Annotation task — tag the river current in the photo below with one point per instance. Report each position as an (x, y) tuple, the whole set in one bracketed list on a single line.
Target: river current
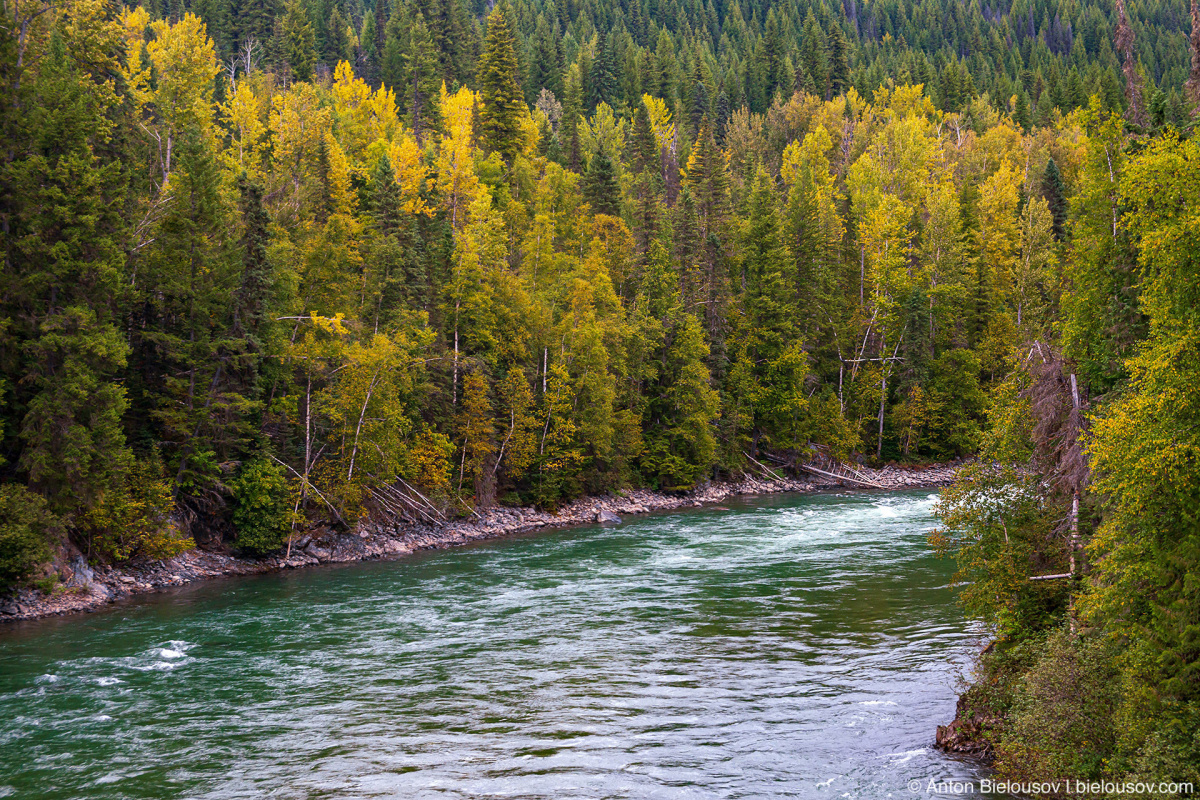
[(797, 646)]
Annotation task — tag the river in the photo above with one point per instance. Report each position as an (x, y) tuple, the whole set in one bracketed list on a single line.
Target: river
[(794, 646)]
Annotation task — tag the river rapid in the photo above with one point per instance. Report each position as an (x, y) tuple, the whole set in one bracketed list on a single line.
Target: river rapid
[(793, 646)]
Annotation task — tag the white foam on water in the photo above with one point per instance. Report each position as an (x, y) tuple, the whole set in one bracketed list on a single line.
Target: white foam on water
[(878, 703), (46, 679), (906, 756), (103, 718), (108, 681), (166, 656)]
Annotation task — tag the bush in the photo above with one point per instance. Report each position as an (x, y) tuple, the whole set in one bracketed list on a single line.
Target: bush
[(133, 518), (261, 511), (1062, 724), (26, 528)]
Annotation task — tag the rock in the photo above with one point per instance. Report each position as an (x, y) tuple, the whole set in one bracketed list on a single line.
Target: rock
[(606, 517), (81, 574), (127, 580)]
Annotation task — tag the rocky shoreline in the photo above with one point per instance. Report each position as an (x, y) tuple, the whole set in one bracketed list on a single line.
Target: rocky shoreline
[(88, 588)]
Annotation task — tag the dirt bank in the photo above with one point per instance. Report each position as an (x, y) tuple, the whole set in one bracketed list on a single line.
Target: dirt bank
[(87, 588)]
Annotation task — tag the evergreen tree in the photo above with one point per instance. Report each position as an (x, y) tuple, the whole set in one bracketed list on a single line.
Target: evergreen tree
[(337, 40), (502, 101), (1055, 193), (420, 81), (813, 59), (300, 49), (64, 264), (839, 64), (600, 185), (256, 22), (602, 78)]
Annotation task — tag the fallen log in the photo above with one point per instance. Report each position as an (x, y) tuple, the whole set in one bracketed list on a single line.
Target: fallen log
[(859, 481)]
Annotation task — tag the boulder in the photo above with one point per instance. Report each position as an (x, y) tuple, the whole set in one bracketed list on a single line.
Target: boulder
[(606, 517)]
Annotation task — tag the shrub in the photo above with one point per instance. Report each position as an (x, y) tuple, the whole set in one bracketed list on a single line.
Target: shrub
[(260, 506), (133, 518), (26, 528), (1062, 724)]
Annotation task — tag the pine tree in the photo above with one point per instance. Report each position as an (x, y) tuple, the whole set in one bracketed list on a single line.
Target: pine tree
[(645, 163), (699, 98), (216, 16), (256, 22), (602, 76), (813, 58), (502, 100), (337, 39), (64, 264)]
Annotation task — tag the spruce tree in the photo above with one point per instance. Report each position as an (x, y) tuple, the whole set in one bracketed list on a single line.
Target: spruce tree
[(64, 265), (1056, 196), (600, 187), (421, 81), (300, 50), (337, 41), (602, 77), (256, 22), (502, 100), (839, 63), (813, 59)]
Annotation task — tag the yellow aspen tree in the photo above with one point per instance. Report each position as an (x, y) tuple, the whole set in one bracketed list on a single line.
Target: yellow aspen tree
[(184, 65), (457, 181)]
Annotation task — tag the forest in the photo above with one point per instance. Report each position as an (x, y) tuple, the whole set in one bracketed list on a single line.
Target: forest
[(269, 266)]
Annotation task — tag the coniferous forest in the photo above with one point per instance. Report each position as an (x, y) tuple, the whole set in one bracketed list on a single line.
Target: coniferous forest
[(269, 265)]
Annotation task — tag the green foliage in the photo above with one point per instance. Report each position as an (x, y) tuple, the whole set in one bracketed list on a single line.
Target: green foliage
[(1063, 721), (262, 511), (502, 102), (26, 530), (300, 50), (133, 518)]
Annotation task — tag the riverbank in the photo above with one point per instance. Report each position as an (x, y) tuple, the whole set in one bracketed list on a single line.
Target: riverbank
[(86, 588)]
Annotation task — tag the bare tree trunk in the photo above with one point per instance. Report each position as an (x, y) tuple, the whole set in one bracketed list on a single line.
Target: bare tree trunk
[(1074, 517), (454, 388), (358, 428), (882, 401)]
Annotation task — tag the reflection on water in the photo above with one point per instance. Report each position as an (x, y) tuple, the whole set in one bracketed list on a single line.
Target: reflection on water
[(791, 647)]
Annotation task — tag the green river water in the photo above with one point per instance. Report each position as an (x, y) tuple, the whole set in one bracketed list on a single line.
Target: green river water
[(797, 646)]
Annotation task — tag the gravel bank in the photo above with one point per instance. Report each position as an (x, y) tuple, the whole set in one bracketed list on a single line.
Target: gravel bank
[(88, 588)]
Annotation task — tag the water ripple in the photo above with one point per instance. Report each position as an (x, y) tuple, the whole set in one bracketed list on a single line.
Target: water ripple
[(791, 647)]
